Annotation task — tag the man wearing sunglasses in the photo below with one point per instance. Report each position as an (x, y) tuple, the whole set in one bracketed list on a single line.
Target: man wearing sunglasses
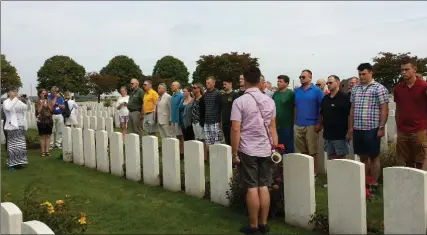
[(308, 98)]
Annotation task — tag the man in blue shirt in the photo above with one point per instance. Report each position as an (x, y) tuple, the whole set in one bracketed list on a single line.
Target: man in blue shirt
[(177, 97), (58, 119), (308, 98)]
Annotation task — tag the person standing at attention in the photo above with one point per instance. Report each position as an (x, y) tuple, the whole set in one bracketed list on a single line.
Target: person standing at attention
[(307, 112), (186, 114), (198, 118), (411, 117), (212, 128), (353, 81), (135, 107), (253, 137), (241, 88), (321, 83), (226, 102), (334, 112), (368, 117), (163, 112), (123, 109), (284, 99), (177, 98), (150, 100), (58, 119)]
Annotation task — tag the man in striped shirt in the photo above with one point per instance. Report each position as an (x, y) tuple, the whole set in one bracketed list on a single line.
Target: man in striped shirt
[(368, 117), (212, 126)]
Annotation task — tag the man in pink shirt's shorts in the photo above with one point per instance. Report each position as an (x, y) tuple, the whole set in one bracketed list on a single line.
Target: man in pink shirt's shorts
[(253, 136)]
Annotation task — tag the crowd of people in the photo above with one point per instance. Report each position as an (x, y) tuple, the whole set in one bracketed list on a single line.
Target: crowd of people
[(255, 121)]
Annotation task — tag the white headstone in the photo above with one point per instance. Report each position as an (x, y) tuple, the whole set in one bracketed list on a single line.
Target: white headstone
[(93, 123), (150, 156), (86, 122), (80, 120), (133, 157), (35, 227), (89, 148), (298, 180), (171, 164), (322, 156), (101, 123), (78, 157), (384, 140), (346, 197), (67, 145), (102, 158), (194, 168), (117, 120), (11, 218), (220, 173), (116, 154), (2, 137), (405, 200), (109, 125)]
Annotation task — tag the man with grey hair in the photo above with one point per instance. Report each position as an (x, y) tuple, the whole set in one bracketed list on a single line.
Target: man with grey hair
[(163, 112), (135, 107), (353, 81), (58, 119), (177, 97)]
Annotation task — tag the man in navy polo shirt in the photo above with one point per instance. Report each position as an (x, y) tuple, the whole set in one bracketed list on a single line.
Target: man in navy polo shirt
[(308, 98), (58, 119)]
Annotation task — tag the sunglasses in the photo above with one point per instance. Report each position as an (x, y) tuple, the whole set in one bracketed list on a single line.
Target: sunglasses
[(318, 85), (301, 77)]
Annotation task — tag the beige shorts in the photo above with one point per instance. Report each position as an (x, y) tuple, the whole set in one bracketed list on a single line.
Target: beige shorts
[(306, 139), (199, 132), (176, 129), (164, 130)]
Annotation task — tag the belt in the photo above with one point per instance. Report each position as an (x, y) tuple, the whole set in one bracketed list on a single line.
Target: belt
[(134, 110), (148, 112)]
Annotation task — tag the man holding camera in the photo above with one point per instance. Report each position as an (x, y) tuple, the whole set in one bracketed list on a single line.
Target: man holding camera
[(58, 119), (253, 136)]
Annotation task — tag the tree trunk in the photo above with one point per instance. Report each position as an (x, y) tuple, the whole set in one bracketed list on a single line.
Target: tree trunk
[(99, 98)]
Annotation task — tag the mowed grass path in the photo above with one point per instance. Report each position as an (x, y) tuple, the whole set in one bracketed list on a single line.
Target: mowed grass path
[(116, 205)]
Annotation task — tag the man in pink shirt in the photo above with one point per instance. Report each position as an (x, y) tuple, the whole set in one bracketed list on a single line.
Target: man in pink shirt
[(253, 136)]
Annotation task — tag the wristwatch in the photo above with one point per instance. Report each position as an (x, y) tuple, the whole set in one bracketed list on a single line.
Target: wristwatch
[(381, 128), (235, 155)]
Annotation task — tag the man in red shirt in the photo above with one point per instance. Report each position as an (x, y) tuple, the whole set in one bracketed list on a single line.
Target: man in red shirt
[(411, 117)]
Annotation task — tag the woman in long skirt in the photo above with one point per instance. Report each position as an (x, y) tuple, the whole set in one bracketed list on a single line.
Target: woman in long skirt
[(15, 127)]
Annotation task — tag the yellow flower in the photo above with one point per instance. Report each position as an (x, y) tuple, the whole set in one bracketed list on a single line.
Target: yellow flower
[(49, 206), (82, 220), (59, 202)]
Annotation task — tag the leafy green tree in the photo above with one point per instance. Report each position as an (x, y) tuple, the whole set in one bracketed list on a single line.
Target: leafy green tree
[(124, 68), (100, 84), (63, 72), (223, 67), (9, 75), (386, 67), (170, 67)]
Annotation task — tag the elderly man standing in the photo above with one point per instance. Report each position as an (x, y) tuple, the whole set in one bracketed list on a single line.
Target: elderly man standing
[(58, 119), (135, 107), (321, 83), (368, 117), (177, 97), (353, 81), (163, 112), (150, 100)]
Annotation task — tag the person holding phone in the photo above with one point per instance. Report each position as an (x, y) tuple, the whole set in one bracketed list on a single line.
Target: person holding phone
[(44, 113), (122, 106)]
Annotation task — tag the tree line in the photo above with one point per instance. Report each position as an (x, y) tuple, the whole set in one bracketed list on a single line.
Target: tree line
[(64, 72)]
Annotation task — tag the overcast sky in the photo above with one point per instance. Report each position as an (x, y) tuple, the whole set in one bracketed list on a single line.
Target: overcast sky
[(326, 37)]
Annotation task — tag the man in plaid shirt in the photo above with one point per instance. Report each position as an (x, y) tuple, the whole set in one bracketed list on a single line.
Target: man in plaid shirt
[(368, 117)]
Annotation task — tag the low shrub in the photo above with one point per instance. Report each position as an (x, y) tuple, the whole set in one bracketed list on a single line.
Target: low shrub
[(63, 216)]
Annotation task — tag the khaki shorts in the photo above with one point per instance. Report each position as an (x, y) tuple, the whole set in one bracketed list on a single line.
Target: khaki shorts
[(412, 147), (165, 130), (149, 124), (306, 139)]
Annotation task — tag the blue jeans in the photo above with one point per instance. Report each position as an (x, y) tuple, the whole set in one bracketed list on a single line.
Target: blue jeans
[(286, 137)]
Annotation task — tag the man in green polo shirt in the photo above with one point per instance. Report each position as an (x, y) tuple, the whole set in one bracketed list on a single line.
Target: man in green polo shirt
[(284, 99), (136, 100)]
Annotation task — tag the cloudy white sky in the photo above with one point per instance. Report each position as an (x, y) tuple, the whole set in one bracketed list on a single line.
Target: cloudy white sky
[(326, 37)]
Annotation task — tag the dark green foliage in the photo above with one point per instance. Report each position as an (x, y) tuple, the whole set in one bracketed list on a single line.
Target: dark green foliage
[(223, 67), (9, 75), (63, 72), (124, 68), (171, 68)]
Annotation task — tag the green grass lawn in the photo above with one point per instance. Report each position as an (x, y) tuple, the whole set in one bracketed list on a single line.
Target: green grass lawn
[(116, 205)]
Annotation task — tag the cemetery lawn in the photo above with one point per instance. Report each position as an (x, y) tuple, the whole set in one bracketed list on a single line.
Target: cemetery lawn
[(116, 205)]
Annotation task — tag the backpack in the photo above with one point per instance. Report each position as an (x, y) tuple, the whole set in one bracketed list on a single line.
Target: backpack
[(66, 112)]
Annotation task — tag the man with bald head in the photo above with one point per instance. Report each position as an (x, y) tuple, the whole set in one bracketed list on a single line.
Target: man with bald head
[(321, 83), (135, 107), (177, 97)]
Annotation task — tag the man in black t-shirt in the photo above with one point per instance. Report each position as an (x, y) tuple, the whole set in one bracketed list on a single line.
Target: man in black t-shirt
[(334, 110), (226, 104)]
